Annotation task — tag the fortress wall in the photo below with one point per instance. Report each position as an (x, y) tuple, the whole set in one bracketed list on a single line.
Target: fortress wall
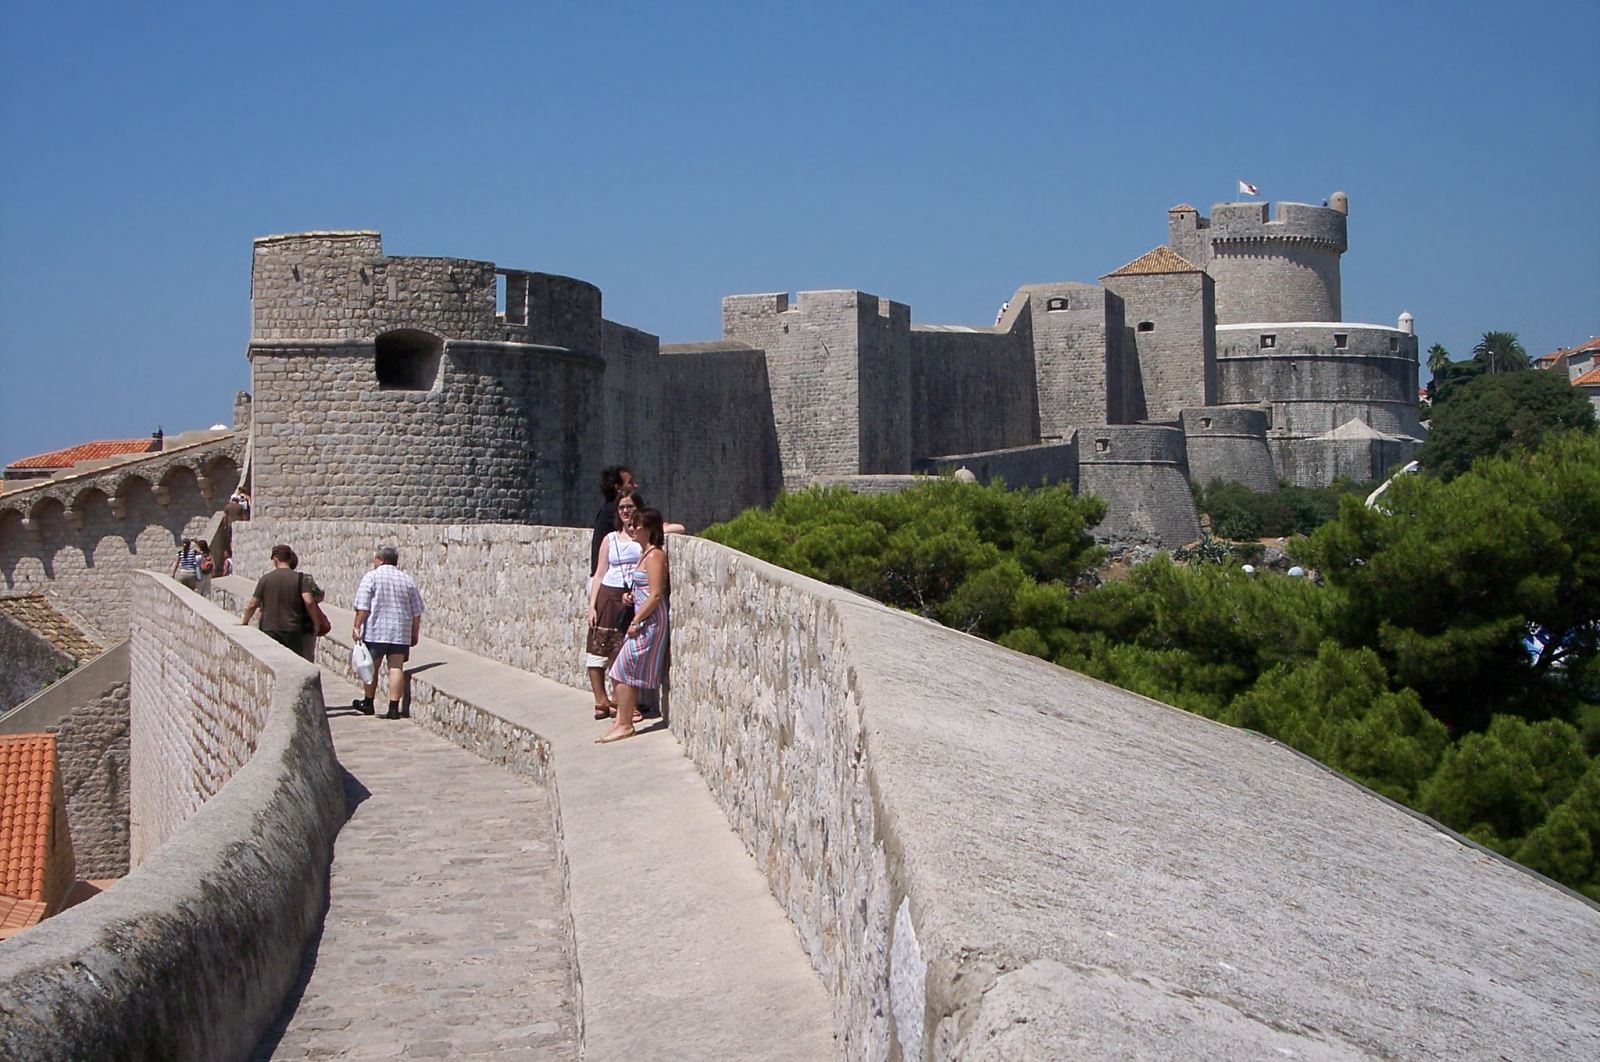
[(1163, 879), (1229, 443), (28, 663), (87, 711), (1074, 347), (1142, 474), (1273, 282), (500, 432), (813, 350), (1318, 462), (1173, 364), (632, 411), (190, 956), (339, 286), (1315, 386), (65, 538), (718, 446), (1020, 466), (884, 374), (973, 391)]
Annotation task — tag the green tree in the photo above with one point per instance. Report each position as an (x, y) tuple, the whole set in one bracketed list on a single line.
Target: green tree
[(1494, 414), (1339, 709), (1500, 785), (1438, 358), (1499, 352), (1446, 582)]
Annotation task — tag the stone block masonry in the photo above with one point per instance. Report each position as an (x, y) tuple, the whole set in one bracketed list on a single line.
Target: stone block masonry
[(190, 956)]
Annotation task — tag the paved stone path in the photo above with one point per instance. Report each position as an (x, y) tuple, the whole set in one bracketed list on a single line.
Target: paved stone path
[(444, 934)]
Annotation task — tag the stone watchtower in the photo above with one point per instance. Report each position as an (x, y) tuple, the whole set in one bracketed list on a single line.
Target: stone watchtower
[(419, 389), (1283, 268)]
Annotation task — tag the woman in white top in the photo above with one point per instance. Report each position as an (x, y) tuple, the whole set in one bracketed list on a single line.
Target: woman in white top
[(607, 598)]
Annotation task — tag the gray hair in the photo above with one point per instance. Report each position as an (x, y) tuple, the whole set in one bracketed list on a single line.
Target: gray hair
[(387, 554)]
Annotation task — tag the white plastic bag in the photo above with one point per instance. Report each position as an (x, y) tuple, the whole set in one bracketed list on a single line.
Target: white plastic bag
[(361, 661)]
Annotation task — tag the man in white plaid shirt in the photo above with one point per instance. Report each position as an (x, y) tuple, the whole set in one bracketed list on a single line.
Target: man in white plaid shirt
[(389, 619)]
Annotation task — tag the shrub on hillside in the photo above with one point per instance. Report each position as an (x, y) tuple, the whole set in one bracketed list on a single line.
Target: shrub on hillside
[(1239, 513)]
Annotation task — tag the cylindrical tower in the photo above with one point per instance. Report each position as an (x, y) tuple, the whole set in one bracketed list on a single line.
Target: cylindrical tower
[(1284, 268), (1229, 443), (1142, 472), (411, 390)]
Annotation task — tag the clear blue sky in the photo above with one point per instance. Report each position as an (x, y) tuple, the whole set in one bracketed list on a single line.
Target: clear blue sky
[(939, 154)]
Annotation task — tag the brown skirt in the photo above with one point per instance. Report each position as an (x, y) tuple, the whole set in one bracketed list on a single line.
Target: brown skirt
[(604, 638)]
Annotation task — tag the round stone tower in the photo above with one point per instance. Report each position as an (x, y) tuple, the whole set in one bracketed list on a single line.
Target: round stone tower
[(1283, 268), (419, 389)]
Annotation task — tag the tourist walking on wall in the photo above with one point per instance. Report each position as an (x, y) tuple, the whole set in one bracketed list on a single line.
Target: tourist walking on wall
[(389, 620), (643, 654), (616, 555), (290, 605), (192, 568)]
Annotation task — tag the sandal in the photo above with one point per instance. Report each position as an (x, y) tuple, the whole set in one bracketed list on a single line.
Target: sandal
[(604, 711)]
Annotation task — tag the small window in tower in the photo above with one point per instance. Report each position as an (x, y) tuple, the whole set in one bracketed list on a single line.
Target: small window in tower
[(1268, 341), (1205, 422), (1102, 446), (500, 295), (1147, 326), (407, 359), (1341, 340), (1055, 302), (1394, 344)]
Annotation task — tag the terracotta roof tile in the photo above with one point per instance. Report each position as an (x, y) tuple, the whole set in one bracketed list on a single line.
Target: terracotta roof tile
[(90, 451), (17, 914), (1161, 260), (35, 612), (29, 795), (1588, 379)]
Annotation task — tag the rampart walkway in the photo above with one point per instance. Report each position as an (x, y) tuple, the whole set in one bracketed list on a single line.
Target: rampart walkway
[(444, 932), (682, 951)]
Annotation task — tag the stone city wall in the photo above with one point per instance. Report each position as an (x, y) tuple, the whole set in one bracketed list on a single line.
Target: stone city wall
[(78, 539), (190, 956), (1021, 466), (1142, 474), (1318, 462), (1313, 383), (1169, 349), (973, 390), (336, 286), (88, 713), (718, 446), (1077, 337), (833, 732), (28, 663), (1229, 443), (499, 432)]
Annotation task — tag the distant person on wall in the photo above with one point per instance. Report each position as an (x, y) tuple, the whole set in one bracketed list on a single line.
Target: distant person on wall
[(389, 619), (186, 568), (242, 500), (640, 661), (289, 601)]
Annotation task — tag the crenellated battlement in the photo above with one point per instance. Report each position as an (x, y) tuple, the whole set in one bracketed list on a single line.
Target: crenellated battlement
[(1293, 223)]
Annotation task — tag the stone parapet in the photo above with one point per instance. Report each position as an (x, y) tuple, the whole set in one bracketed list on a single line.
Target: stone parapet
[(191, 955)]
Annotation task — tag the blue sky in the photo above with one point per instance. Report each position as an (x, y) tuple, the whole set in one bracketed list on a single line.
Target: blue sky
[(939, 154)]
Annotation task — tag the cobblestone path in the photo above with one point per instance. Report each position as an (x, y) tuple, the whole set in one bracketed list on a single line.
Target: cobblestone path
[(444, 936)]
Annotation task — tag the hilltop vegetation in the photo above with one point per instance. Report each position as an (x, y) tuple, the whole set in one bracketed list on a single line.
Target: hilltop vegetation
[(1406, 668)]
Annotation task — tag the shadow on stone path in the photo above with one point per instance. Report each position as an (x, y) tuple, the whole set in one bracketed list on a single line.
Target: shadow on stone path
[(444, 933)]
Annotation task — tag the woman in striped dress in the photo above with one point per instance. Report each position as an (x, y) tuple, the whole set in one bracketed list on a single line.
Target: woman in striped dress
[(643, 654)]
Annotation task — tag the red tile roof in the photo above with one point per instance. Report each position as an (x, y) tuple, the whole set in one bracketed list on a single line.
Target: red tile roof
[(1588, 379), (1161, 260), (90, 451), (17, 915), (35, 850), (35, 612)]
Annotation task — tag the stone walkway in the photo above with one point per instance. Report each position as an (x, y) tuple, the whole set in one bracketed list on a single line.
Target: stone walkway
[(444, 936)]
